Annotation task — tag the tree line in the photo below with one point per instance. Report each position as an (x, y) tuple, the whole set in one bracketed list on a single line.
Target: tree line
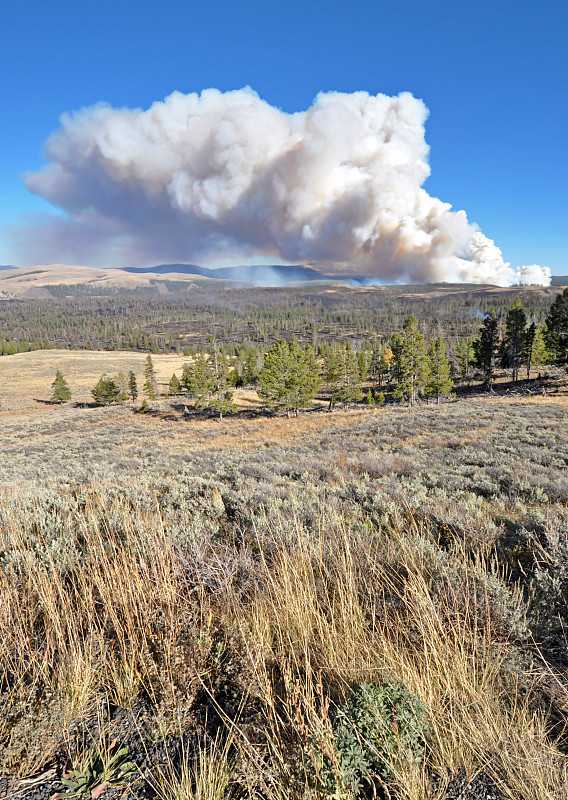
[(175, 323), (289, 374)]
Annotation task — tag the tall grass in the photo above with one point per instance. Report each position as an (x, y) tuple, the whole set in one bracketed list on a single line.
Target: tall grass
[(128, 609)]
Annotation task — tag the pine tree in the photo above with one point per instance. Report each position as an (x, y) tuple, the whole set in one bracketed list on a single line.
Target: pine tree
[(186, 377), (374, 359), (528, 347), (289, 379), (61, 391), (362, 365), (150, 384), (539, 352), (251, 368), (208, 380), (132, 386), (221, 397), (556, 330), (307, 375), (411, 365), (466, 356), (221, 401), (439, 381), (381, 363), (486, 347), (174, 386), (105, 391), (199, 379), (121, 380), (513, 346), (343, 376)]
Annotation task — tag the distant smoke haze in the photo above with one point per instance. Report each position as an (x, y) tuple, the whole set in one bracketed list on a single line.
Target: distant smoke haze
[(222, 175)]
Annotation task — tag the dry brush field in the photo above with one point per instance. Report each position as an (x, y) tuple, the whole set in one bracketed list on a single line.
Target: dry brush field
[(368, 603)]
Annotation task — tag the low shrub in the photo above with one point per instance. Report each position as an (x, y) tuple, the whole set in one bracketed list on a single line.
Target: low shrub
[(377, 726)]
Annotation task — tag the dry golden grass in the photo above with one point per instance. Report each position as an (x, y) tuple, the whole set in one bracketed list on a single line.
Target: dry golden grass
[(331, 608), (446, 653), (107, 603), (34, 281), (27, 377)]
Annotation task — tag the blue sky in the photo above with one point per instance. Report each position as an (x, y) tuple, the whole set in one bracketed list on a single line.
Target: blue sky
[(493, 75)]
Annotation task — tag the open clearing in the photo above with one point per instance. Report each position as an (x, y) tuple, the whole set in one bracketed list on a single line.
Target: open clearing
[(25, 378)]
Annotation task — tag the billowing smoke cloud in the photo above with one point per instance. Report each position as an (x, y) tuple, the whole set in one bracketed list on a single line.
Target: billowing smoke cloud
[(197, 177)]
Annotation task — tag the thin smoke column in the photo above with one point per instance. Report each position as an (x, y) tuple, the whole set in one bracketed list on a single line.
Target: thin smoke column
[(199, 177)]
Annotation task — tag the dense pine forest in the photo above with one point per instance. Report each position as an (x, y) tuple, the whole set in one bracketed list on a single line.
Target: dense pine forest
[(149, 321)]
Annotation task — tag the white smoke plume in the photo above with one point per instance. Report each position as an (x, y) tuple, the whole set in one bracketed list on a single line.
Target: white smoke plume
[(198, 177)]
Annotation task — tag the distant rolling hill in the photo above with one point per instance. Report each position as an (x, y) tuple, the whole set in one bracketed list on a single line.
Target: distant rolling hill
[(43, 281), (276, 274), (261, 275)]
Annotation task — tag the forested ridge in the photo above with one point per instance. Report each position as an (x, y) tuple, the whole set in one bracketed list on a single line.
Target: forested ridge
[(144, 321)]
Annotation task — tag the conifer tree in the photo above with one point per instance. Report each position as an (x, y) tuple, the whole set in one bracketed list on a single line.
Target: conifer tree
[(539, 352), (199, 380), (289, 379), (465, 356), (486, 347), (221, 396), (174, 386), (513, 346), (411, 364), (106, 391), (373, 361), (343, 376), (439, 381), (556, 330), (150, 384), (186, 377), (362, 365), (381, 363), (307, 375), (252, 367), (121, 380), (132, 386), (221, 401), (528, 347), (207, 379), (61, 391), (219, 364)]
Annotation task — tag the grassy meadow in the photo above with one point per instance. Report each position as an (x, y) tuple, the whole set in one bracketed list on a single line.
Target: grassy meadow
[(367, 603)]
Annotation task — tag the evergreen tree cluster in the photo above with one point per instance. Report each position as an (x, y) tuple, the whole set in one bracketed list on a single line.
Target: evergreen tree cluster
[(521, 344), (207, 379), (290, 377), (556, 330), (408, 365)]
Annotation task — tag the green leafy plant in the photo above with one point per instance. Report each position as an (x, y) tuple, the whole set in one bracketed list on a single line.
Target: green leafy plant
[(376, 727), (96, 770)]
